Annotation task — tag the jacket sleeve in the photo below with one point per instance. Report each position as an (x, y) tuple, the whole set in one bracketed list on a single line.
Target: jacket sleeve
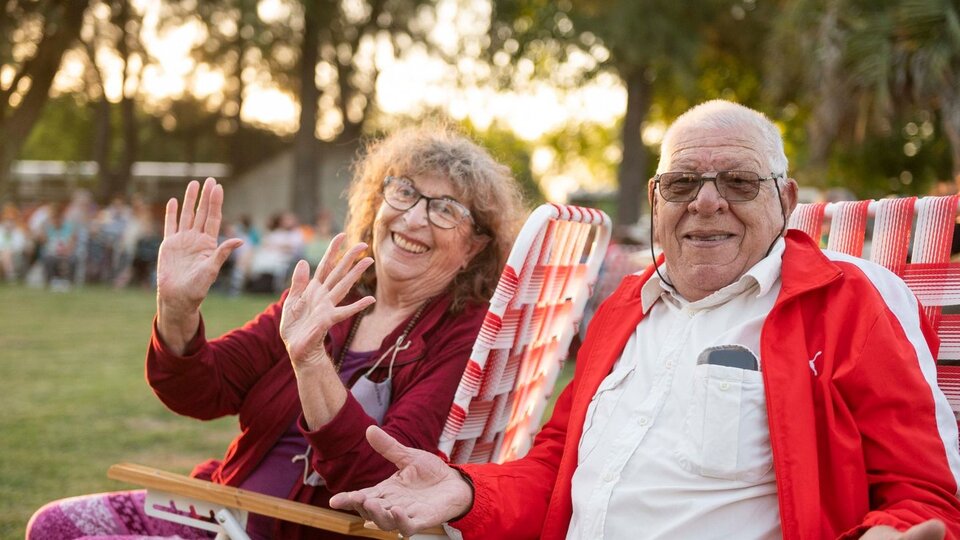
[(908, 432), (418, 410), (511, 499), (212, 378)]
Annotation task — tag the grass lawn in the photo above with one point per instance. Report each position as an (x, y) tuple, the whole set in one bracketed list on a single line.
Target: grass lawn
[(73, 399)]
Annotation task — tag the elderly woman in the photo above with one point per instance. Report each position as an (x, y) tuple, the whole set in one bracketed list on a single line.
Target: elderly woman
[(380, 334)]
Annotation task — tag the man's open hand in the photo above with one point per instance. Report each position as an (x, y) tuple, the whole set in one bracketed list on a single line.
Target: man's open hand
[(423, 493)]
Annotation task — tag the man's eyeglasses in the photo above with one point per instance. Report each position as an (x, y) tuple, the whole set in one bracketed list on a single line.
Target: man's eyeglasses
[(734, 186), (442, 212)]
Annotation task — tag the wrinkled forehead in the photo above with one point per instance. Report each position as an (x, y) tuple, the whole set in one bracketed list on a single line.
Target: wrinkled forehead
[(436, 183), (705, 150)]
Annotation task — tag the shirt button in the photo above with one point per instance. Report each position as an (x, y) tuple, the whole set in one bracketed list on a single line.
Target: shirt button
[(609, 477), (668, 364), (724, 386), (642, 420)]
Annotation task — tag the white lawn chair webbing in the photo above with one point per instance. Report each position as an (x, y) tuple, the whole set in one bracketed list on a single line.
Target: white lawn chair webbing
[(929, 273), (532, 318)]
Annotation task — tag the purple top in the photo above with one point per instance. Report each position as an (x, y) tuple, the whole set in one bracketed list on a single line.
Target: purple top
[(277, 474)]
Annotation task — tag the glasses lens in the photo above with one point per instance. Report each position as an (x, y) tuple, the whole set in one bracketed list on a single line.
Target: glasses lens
[(679, 187), (738, 185), (400, 193), (446, 214)]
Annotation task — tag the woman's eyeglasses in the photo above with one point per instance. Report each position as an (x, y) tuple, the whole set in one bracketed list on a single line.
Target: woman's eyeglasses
[(442, 212)]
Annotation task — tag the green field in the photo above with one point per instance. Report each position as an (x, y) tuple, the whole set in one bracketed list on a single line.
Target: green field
[(73, 398)]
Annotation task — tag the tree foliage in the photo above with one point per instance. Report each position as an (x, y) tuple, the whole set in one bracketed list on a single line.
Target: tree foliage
[(40, 32)]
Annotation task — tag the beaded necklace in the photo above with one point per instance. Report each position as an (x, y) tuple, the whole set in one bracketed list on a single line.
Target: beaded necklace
[(356, 325)]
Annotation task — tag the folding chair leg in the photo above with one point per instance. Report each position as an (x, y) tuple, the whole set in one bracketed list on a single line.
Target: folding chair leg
[(231, 527)]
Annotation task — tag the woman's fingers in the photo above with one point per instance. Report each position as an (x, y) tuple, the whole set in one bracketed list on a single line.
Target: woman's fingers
[(300, 279), (214, 212), (224, 250), (345, 264), (340, 288), (329, 257), (189, 201), (170, 218), (203, 206), (343, 313)]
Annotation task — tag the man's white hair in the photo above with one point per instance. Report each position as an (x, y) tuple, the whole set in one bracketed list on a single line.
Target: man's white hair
[(720, 114)]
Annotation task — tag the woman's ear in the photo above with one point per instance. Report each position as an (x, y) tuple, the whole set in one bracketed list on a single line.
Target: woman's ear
[(477, 243)]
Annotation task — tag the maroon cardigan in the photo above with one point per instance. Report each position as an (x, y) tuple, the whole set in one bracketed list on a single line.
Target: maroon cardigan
[(247, 372)]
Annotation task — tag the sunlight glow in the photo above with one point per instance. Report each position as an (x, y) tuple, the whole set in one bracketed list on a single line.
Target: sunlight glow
[(270, 107)]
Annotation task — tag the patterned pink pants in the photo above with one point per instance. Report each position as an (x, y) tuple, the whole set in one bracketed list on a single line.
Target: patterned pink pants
[(105, 516)]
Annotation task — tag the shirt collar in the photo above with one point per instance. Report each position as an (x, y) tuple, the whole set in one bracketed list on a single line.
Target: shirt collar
[(761, 276)]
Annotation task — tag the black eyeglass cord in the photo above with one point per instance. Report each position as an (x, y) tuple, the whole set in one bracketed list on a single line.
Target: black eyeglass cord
[(783, 228)]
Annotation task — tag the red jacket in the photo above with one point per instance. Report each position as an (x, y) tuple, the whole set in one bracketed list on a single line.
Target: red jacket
[(247, 372), (856, 444)]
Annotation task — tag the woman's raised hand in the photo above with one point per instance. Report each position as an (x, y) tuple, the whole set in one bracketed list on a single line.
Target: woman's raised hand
[(190, 257), (312, 305)]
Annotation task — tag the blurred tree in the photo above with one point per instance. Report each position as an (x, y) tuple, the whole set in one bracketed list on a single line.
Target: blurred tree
[(507, 148), (642, 42), (64, 114), (328, 53), (927, 33), (38, 35), (879, 64), (113, 28), (805, 65)]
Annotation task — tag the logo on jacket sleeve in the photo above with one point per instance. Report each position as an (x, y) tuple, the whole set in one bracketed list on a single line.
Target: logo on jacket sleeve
[(813, 363)]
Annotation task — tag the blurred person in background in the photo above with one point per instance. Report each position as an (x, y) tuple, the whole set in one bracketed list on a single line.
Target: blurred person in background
[(379, 335), (318, 237), (273, 260), (59, 252), (15, 244)]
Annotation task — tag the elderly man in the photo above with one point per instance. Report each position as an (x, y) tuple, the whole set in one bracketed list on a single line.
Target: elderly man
[(748, 386)]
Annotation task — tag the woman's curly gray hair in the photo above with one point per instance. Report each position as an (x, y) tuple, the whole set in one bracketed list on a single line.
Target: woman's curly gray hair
[(484, 185)]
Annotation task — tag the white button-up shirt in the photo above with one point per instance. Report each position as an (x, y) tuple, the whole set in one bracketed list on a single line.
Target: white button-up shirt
[(673, 446)]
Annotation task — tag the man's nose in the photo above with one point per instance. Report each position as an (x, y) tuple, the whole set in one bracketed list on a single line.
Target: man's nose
[(708, 200)]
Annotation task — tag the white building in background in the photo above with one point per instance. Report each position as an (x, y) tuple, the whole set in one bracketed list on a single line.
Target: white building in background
[(153, 180), (266, 189), (260, 192)]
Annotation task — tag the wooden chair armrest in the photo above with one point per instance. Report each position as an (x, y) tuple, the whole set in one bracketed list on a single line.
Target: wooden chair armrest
[(257, 503)]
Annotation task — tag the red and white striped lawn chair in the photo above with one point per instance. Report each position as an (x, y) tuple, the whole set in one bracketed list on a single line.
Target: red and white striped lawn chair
[(533, 315), (928, 271)]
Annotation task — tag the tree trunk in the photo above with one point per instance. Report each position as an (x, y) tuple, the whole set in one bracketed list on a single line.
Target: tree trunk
[(131, 146), (632, 175), (101, 146), (831, 101), (950, 121), (306, 192), (238, 151), (43, 67)]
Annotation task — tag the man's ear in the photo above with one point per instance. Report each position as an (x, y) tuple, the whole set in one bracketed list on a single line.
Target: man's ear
[(790, 194), (652, 199)]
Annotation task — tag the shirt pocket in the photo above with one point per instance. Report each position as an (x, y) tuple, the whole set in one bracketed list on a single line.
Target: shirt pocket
[(602, 406), (725, 433)]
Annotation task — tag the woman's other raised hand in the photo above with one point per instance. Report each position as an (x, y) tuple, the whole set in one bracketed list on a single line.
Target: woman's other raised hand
[(189, 260)]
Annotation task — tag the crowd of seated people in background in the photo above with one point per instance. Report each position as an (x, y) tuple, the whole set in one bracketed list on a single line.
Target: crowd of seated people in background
[(61, 245)]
